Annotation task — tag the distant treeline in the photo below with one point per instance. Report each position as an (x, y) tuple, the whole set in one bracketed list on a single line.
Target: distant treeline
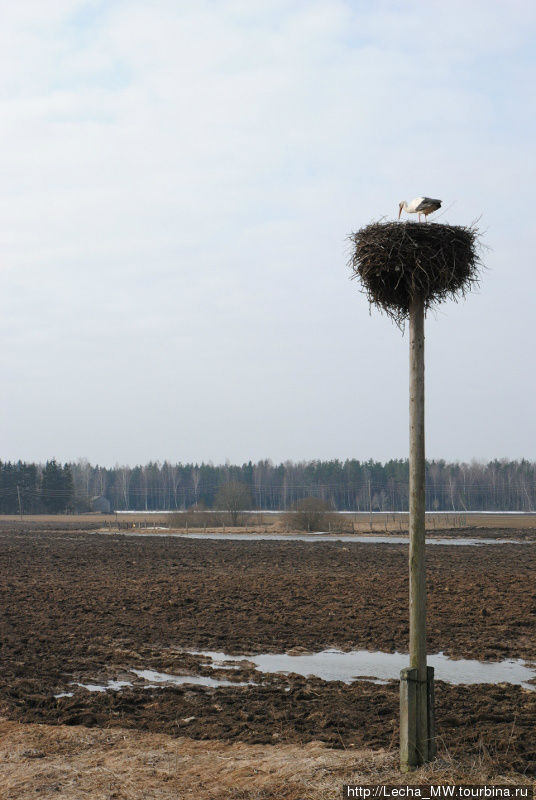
[(33, 488), (346, 485)]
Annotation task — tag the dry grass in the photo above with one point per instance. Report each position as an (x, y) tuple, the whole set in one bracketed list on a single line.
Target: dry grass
[(398, 522), (89, 518), (71, 763), (278, 523)]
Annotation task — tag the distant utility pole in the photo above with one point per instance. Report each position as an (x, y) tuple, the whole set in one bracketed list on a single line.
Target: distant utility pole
[(20, 504)]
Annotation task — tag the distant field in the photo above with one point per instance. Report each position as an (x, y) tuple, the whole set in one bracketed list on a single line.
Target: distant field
[(276, 521), (447, 520)]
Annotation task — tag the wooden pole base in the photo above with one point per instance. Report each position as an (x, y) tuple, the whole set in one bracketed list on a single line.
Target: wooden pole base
[(416, 746)]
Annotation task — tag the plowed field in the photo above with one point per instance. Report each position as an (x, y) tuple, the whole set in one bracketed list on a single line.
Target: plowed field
[(84, 607)]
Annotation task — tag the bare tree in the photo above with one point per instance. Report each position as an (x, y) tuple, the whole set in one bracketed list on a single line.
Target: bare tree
[(309, 514), (233, 497), (196, 477), (124, 483)]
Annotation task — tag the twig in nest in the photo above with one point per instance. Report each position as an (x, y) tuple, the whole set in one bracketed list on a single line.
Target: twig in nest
[(398, 262)]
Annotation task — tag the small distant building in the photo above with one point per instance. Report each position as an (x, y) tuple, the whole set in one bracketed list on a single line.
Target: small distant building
[(101, 503)]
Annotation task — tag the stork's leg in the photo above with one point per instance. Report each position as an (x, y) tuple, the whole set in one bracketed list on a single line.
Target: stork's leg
[(419, 217)]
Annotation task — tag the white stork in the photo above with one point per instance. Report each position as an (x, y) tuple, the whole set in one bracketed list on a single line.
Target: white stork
[(421, 205)]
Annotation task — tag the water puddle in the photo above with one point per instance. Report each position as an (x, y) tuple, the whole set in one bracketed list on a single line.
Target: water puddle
[(156, 680), (329, 665), (317, 537), (179, 680), (334, 665), (110, 686)]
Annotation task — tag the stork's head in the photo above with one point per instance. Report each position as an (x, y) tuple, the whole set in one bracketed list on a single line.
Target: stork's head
[(400, 207)]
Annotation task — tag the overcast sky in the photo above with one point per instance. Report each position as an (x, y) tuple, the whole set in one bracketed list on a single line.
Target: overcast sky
[(177, 181)]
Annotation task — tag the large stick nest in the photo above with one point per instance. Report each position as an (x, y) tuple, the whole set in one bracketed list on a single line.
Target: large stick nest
[(398, 262)]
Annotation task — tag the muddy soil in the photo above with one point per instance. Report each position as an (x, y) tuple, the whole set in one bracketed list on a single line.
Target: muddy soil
[(86, 608)]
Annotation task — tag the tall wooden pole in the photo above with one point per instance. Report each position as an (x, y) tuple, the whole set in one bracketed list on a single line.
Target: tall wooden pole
[(416, 692), (417, 569)]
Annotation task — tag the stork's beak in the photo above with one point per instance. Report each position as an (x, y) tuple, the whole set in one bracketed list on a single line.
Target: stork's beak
[(399, 211)]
